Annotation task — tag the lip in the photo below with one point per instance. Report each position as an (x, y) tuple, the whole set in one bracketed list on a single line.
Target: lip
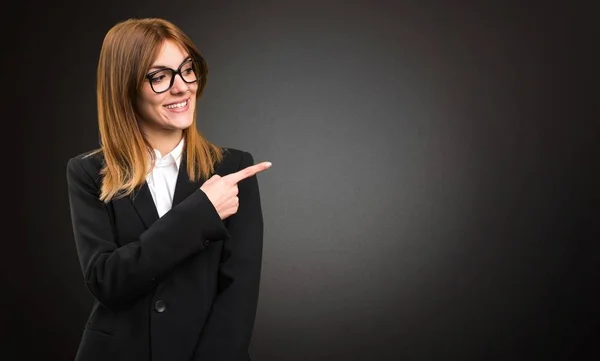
[(178, 101), (178, 110)]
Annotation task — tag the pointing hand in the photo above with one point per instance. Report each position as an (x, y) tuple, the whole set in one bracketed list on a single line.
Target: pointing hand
[(223, 191)]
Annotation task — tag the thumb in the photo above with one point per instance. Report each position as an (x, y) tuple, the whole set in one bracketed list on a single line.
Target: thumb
[(212, 179)]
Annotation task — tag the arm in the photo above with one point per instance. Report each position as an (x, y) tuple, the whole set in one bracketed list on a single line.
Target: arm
[(118, 276), (228, 330)]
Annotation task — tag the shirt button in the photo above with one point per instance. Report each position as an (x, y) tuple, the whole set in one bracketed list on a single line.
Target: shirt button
[(160, 306), (206, 243)]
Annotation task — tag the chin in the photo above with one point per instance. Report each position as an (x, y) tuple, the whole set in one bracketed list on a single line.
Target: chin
[(181, 125), (178, 122), (185, 126)]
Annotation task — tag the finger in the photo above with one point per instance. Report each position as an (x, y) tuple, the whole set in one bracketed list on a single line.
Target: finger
[(247, 172), (211, 179)]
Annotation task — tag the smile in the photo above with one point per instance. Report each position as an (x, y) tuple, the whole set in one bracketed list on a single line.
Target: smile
[(176, 105)]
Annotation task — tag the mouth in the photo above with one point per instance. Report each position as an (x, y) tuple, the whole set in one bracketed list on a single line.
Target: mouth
[(179, 106)]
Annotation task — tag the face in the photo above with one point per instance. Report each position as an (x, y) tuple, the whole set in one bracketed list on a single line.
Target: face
[(173, 110)]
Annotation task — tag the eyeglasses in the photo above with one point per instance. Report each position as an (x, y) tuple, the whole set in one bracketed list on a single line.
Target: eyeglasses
[(163, 79)]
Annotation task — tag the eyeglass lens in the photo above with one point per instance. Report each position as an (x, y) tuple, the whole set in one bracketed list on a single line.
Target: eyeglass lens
[(162, 80)]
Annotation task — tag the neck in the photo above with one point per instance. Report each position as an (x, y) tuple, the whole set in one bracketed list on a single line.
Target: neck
[(165, 142)]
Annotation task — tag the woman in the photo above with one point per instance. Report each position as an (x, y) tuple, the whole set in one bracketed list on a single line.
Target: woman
[(168, 226)]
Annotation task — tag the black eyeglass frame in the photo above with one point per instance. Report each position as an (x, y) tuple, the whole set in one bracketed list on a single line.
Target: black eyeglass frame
[(174, 73)]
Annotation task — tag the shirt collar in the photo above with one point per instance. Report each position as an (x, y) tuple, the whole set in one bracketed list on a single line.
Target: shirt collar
[(172, 157)]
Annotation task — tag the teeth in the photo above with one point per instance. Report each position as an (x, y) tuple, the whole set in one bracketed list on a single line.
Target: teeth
[(176, 105)]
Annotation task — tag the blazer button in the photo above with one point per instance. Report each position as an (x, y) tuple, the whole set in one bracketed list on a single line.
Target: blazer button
[(206, 243), (160, 306)]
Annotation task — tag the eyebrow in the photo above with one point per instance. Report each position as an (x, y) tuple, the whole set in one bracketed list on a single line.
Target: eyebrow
[(158, 66)]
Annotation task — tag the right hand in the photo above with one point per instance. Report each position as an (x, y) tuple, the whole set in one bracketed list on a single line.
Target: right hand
[(223, 191)]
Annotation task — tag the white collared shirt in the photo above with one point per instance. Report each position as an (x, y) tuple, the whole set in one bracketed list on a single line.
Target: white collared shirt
[(163, 178)]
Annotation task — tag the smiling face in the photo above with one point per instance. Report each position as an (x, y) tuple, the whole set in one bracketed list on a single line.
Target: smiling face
[(169, 112)]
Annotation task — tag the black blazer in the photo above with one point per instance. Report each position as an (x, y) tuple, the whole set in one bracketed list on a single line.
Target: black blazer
[(183, 287)]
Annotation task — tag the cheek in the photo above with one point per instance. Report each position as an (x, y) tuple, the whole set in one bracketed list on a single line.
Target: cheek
[(151, 102), (149, 106)]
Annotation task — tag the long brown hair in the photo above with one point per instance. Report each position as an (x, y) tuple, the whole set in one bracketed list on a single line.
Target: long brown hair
[(128, 50)]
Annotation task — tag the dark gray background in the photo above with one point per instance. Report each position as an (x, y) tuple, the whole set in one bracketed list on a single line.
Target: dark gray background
[(434, 193)]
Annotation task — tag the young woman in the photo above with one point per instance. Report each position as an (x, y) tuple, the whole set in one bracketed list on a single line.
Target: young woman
[(168, 226)]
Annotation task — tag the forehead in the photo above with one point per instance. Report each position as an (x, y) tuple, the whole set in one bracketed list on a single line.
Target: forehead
[(171, 55)]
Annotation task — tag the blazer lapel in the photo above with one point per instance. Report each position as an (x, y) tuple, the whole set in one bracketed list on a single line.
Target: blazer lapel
[(184, 187), (144, 205)]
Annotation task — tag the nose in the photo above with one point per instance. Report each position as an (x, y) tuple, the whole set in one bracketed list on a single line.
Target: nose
[(179, 86)]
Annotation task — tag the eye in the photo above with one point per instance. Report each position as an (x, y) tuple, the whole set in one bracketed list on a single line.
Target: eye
[(158, 79), (188, 69)]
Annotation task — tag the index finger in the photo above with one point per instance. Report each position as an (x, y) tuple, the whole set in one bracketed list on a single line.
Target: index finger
[(248, 172)]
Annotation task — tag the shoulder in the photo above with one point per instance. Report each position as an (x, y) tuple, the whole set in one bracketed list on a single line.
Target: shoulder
[(234, 160), (85, 166), (238, 157)]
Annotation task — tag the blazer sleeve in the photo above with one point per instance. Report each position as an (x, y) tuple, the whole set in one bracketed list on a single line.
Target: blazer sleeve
[(228, 330), (119, 275)]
